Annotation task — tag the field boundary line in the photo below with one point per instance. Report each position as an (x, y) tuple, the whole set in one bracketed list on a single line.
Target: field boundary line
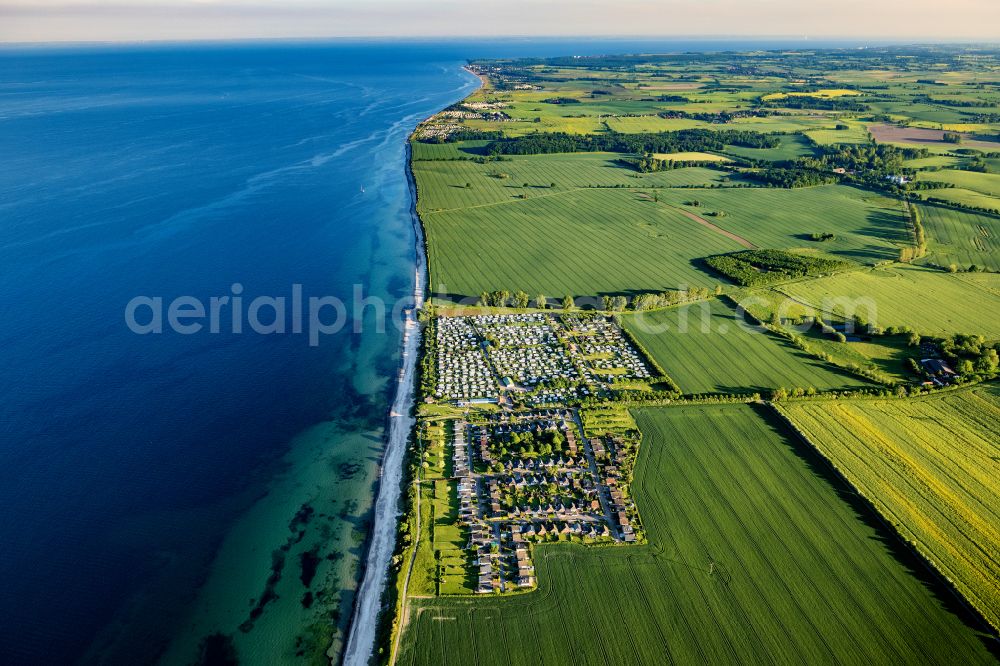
[(886, 521), (714, 227)]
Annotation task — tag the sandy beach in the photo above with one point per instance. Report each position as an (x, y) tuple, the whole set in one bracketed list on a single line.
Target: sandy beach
[(382, 542)]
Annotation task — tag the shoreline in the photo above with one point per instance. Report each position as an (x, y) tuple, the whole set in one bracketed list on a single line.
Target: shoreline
[(381, 542), (382, 538)]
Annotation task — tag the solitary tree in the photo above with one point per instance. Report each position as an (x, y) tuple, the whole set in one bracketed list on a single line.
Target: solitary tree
[(567, 303), (484, 298), (541, 301), (520, 300)]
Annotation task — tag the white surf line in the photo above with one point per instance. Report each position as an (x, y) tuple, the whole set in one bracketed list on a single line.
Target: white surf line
[(361, 636), (364, 623)]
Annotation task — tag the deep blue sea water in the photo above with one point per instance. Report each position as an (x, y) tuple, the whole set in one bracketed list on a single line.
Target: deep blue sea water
[(172, 171)]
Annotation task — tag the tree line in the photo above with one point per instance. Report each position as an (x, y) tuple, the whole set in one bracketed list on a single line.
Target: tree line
[(690, 140), (503, 298)]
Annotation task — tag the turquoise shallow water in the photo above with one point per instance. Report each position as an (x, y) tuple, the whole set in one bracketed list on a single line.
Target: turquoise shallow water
[(162, 487)]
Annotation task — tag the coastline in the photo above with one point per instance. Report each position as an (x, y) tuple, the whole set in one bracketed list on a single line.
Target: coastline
[(364, 626), (382, 541)]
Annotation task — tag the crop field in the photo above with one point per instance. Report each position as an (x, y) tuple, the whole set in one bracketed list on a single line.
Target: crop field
[(691, 157), (930, 466), (928, 301), (704, 349), (934, 161), (963, 197), (442, 184), (961, 237), (739, 569), (447, 151), (855, 133), (885, 355), (583, 243), (790, 123), (986, 183), (792, 147), (637, 125), (927, 138), (868, 228)]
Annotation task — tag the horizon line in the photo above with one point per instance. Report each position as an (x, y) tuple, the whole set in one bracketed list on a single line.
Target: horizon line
[(900, 41)]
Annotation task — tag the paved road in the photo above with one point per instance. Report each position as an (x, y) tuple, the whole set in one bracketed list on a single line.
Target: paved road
[(605, 501)]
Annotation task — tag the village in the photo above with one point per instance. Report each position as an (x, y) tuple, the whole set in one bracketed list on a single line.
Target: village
[(531, 359), (533, 477)]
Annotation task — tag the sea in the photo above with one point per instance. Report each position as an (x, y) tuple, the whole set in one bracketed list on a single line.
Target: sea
[(175, 489)]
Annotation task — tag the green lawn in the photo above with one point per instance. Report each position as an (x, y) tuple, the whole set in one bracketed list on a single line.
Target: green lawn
[(704, 349), (753, 558), (930, 467), (930, 302), (868, 227), (582, 242)]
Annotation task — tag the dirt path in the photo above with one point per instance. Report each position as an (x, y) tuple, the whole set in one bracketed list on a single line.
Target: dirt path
[(705, 223), (404, 610)]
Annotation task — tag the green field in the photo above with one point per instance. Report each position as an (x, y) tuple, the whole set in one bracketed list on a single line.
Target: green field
[(928, 301), (961, 237), (963, 197), (935, 161), (868, 227), (855, 133), (581, 242), (636, 125), (441, 561), (741, 568), (442, 184), (986, 183), (792, 147), (930, 466), (704, 350)]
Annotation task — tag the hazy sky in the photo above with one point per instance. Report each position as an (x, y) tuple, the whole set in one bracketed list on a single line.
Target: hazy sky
[(86, 20)]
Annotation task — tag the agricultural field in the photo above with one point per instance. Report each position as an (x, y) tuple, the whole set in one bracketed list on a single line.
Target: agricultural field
[(868, 228), (793, 146), (691, 157), (704, 348), (963, 197), (930, 467), (930, 302), (934, 162), (960, 237), (885, 356), (585, 242), (636, 125), (737, 570), (456, 184), (855, 132), (985, 183), (730, 539)]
